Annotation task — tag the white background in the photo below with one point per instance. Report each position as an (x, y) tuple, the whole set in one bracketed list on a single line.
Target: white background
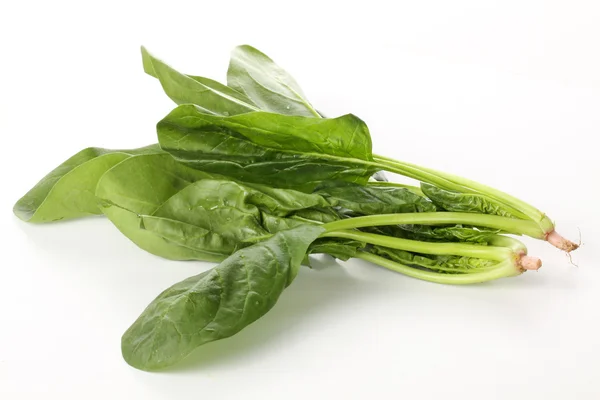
[(504, 92)]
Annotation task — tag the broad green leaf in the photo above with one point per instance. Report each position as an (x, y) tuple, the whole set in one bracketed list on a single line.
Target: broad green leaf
[(203, 244), (139, 186), (227, 215), (217, 206), (373, 199), (180, 213), (210, 96), (267, 84), (442, 263), (217, 303), (68, 191), (271, 149), (467, 202), (282, 202)]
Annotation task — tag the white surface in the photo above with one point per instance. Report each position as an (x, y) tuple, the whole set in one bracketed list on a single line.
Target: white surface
[(503, 92)]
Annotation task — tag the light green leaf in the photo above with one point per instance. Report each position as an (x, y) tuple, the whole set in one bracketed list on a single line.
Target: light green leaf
[(139, 186), (69, 190), (267, 84), (210, 96), (439, 263)]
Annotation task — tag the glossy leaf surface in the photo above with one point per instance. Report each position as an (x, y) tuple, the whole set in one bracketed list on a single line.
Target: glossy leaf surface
[(267, 148), (372, 199), (181, 213), (464, 202), (217, 303), (268, 85), (210, 96)]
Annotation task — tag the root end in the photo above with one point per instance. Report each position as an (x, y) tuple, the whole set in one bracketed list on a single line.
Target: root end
[(530, 263), (560, 242)]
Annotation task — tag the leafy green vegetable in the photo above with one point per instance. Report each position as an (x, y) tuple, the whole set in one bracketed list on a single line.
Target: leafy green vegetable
[(256, 82), (181, 213), (440, 263), (372, 199), (250, 174), (464, 202), (318, 214), (267, 84), (344, 249), (271, 149), (210, 96), (68, 191), (272, 88), (217, 303), (139, 186)]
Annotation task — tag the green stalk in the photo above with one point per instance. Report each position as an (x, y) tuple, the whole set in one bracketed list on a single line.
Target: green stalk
[(511, 225), (460, 184), (457, 249), (503, 269)]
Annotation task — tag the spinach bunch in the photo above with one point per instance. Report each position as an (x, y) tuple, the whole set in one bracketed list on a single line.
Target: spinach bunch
[(265, 88), (250, 174)]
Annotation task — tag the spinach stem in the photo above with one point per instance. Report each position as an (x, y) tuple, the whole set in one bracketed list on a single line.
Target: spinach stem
[(503, 269), (457, 183), (495, 253), (511, 225)]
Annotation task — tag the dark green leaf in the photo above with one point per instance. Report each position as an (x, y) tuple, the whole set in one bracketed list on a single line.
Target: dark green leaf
[(229, 215), (68, 191), (338, 248), (447, 233), (465, 202), (267, 148), (373, 199), (343, 249), (177, 212), (323, 215), (282, 202), (267, 84), (217, 303)]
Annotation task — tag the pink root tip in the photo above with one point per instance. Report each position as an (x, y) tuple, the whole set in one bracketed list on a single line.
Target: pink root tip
[(530, 263), (560, 242)]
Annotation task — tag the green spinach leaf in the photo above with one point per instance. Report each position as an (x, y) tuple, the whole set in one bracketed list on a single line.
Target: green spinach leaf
[(267, 84), (139, 186), (373, 199), (343, 249), (465, 202), (217, 303), (179, 213), (68, 191), (210, 96), (272, 149)]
